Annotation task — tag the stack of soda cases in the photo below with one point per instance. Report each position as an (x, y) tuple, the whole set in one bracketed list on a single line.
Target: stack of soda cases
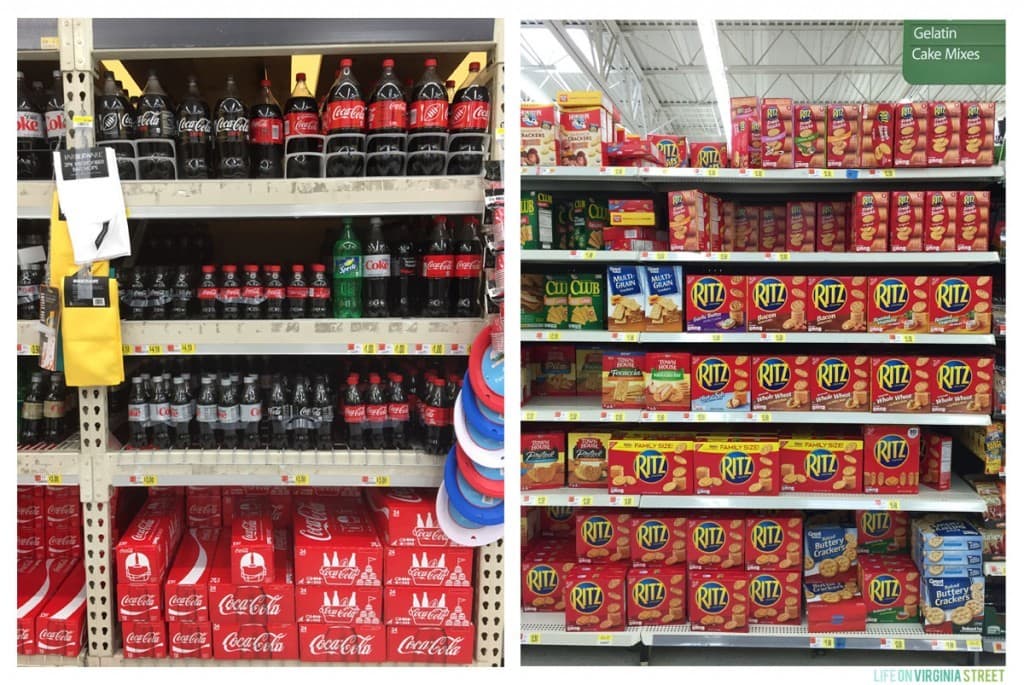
[(51, 606), (43, 410), (49, 522), (186, 597)]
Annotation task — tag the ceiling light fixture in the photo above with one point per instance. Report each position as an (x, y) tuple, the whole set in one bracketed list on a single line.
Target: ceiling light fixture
[(716, 69)]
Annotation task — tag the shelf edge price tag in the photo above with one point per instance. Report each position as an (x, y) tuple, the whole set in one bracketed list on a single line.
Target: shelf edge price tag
[(187, 348), (974, 645), (437, 348), (893, 505), (783, 256), (889, 173), (723, 256), (553, 336), (700, 417), (717, 337), (375, 481), (401, 348), (533, 639), (154, 349), (660, 417), (763, 418), (825, 642), (572, 416), (779, 337), (626, 501), (149, 480), (126, 350), (619, 171), (894, 643), (588, 254), (758, 173), (54, 479), (604, 639), (827, 173), (619, 416), (540, 500), (529, 416), (712, 171), (369, 348), (587, 501)]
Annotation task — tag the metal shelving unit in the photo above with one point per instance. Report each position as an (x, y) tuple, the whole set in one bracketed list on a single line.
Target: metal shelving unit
[(824, 258), (528, 335), (50, 464), (51, 660)]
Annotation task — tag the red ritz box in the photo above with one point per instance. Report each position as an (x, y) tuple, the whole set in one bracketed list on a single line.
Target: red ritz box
[(190, 640), (708, 155), (405, 517), (940, 220), (411, 644), (61, 623), (773, 543), (429, 607), (901, 385), (837, 304), (906, 221), (735, 467), (714, 543), (781, 382), (652, 467), (898, 304), (602, 535), (800, 226), (869, 222), (821, 464), (187, 592), (832, 227), (842, 143), (718, 601), (844, 616), (961, 385), (943, 141), (891, 459), (656, 596), (774, 596), (840, 383), (335, 545), (776, 303), (657, 540), (365, 644), (252, 547), (972, 220), (558, 522), (144, 639), (882, 532), (961, 304), (544, 580), (345, 606), (715, 303), (141, 601), (268, 602), (595, 598), (409, 566), (234, 641)]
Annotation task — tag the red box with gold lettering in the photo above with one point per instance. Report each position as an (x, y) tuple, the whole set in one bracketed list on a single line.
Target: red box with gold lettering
[(718, 601)]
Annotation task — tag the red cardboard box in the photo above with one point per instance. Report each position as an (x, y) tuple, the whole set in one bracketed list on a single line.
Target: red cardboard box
[(652, 467), (961, 304), (869, 222), (203, 511), (977, 133), (657, 596), (335, 545), (190, 640), (255, 640), (539, 135), (63, 542), (832, 227), (716, 303), (428, 607), (843, 137), (898, 304), (405, 517), (745, 114), (911, 126), (936, 459), (718, 601), (686, 222), (542, 460), (940, 221), (622, 380), (141, 601), (801, 219), (840, 383), (411, 644), (959, 385), (841, 616), (837, 304), (409, 566), (972, 220), (746, 228), (715, 542), (595, 598), (667, 381), (943, 142), (776, 303), (673, 149), (777, 133), (144, 550), (708, 155), (544, 580), (187, 592), (906, 221), (773, 229), (62, 513), (720, 383), (602, 535), (891, 459), (781, 382), (559, 522), (812, 464), (882, 532), (876, 135), (144, 639), (774, 596), (773, 543), (901, 384), (365, 644), (809, 134), (61, 622), (252, 548), (348, 606), (657, 540), (272, 603), (890, 585)]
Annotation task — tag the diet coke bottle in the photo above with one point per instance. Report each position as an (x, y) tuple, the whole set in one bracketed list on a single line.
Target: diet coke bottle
[(438, 269), (345, 113), (56, 126), (33, 155), (193, 134), (376, 272), (155, 122), (266, 135), (231, 133), (386, 124), (300, 119)]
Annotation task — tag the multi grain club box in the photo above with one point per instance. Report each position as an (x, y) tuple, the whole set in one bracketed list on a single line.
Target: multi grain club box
[(649, 467), (667, 381), (586, 302), (656, 596), (811, 464), (972, 220), (869, 222), (809, 134), (901, 385), (776, 303), (977, 129), (718, 601), (940, 220), (882, 532), (622, 380), (774, 595), (891, 459), (657, 539), (730, 467), (890, 585), (588, 459), (906, 221), (595, 598), (832, 230), (842, 137), (720, 383), (781, 383), (663, 307), (801, 218), (961, 304), (911, 126), (535, 223), (837, 304), (715, 303), (538, 136), (627, 294), (773, 542), (898, 304), (714, 542), (840, 383), (958, 386), (602, 536), (542, 461)]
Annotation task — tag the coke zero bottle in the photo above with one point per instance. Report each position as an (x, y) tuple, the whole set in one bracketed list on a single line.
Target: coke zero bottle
[(231, 134), (428, 114), (298, 294), (301, 416), (138, 415), (181, 293), (278, 414), (376, 272), (193, 134), (115, 120), (469, 261), (251, 411), (405, 270), (398, 413), (33, 154), (266, 135), (470, 113), (344, 113), (273, 291), (159, 295), (355, 413), (252, 293), (229, 294), (56, 123), (435, 417), (323, 410), (207, 293), (438, 269), (155, 121), (206, 414), (181, 414), (386, 122), (228, 414), (319, 293), (300, 119), (138, 295)]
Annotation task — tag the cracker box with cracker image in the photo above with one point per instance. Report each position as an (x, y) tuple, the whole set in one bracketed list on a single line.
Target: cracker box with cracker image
[(911, 130), (595, 598), (544, 579), (589, 366), (532, 313), (716, 304), (622, 380), (650, 467), (890, 585), (812, 464), (589, 220), (781, 383), (837, 304), (944, 533), (667, 381), (943, 564), (538, 134), (581, 132), (720, 383), (891, 459), (773, 229), (746, 227), (953, 605), (672, 148), (687, 225), (627, 293), (940, 220), (588, 459), (901, 385), (829, 551), (869, 222), (557, 522), (774, 596), (809, 136), (876, 135), (745, 113), (801, 220), (773, 542), (736, 467), (977, 128), (961, 304), (542, 461), (972, 220), (906, 221), (943, 140), (959, 387), (602, 535), (586, 302), (882, 532), (776, 304), (840, 383), (936, 459), (657, 539), (898, 304), (535, 223), (776, 133), (832, 229), (842, 137), (555, 370), (631, 212), (656, 596), (708, 155), (715, 542), (718, 601), (663, 306)]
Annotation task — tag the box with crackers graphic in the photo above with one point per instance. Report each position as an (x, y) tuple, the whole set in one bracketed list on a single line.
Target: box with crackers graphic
[(667, 381), (940, 220), (595, 598), (840, 383), (650, 467), (961, 304), (708, 155), (876, 135), (587, 457), (832, 591), (656, 596), (936, 459), (745, 114), (943, 564), (538, 136), (953, 605), (776, 303), (820, 464), (586, 302), (773, 542), (663, 306), (837, 304), (556, 370), (891, 459), (832, 229), (977, 133), (736, 467), (543, 582), (842, 136), (658, 539), (535, 223), (589, 366), (829, 550), (898, 304), (622, 380), (781, 382), (715, 542), (943, 139), (890, 585), (945, 533), (910, 123), (542, 461), (972, 220), (533, 313), (589, 220), (776, 133), (718, 601), (602, 535), (581, 132), (773, 229), (720, 382), (882, 532), (906, 221), (961, 385), (686, 222), (869, 222), (801, 219), (716, 303), (746, 228), (809, 136), (557, 522), (627, 293), (774, 596), (556, 301)]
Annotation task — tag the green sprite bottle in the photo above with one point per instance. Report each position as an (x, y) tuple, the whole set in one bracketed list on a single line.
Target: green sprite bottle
[(348, 274)]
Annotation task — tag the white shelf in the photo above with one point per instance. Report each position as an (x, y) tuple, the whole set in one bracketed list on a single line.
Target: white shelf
[(995, 569), (577, 497), (570, 336), (281, 198), (549, 629), (51, 660), (118, 660), (862, 258), (50, 464), (574, 409)]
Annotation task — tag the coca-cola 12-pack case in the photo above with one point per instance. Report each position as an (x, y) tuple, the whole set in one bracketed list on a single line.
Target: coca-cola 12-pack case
[(335, 545), (411, 566), (405, 517), (61, 623), (38, 582), (432, 645), (348, 606), (342, 643), (186, 592), (190, 640), (268, 602)]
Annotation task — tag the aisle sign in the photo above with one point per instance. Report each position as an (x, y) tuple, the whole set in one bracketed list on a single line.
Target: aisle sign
[(954, 52)]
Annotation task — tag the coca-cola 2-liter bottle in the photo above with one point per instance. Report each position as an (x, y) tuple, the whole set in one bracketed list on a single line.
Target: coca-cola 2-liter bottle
[(56, 122), (470, 113), (194, 129), (469, 263), (386, 123), (115, 120), (345, 117), (301, 119), (438, 269), (266, 135), (231, 134), (155, 130), (428, 120), (376, 272)]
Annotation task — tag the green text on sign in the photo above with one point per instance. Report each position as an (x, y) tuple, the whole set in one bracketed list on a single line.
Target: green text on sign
[(954, 52)]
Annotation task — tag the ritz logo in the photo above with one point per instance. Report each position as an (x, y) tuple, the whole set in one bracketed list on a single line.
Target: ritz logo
[(652, 535), (765, 590), (587, 597), (882, 117), (708, 294), (838, 115), (973, 112), (650, 466), (773, 374), (876, 523), (670, 151), (708, 156), (905, 113), (884, 590), (954, 377), (833, 375), (821, 464), (542, 580), (770, 294), (713, 375), (940, 112), (767, 536), (829, 295), (953, 295), (772, 116), (583, 288), (736, 467), (892, 451), (649, 593), (712, 597), (937, 215), (805, 115), (561, 514), (708, 537), (597, 531), (893, 375)]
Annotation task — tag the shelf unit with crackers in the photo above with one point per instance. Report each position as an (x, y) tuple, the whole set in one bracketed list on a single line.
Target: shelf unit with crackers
[(528, 335), (582, 257)]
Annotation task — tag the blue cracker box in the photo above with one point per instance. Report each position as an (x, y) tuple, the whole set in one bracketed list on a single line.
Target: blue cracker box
[(627, 298), (663, 308), (953, 604), (950, 571), (829, 551), (831, 590), (947, 534)]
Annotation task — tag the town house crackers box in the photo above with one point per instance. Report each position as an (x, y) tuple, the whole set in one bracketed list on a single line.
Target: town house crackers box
[(720, 383), (869, 222), (898, 304), (732, 467), (649, 467), (776, 303), (840, 383), (538, 136), (714, 542), (602, 536), (901, 384), (960, 385), (773, 542), (718, 601), (891, 459), (781, 382), (622, 380), (809, 134), (657, 539), (832, 233), (906, 221), (542, 461), (843, 137), (801, 218), (911, 130), (715, 303), (656, 596), (890, 586), (595, 598), (587, 455), (812, 464), (667, 381), (775, 595), (837, 304), (961, 304), (940, 220)]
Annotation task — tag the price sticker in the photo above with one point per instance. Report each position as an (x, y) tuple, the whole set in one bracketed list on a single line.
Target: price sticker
[(604, 639), (779, 337), (126, 350), (540, 500), (533, 639), (827, 173), (893, 505), (723, 256), (631, 337), (525, 170), (660, 256), (154, 349), (401, 348), (712, 172), (974, 645), (81, 120), (187, 348), (553, 336), (54, 479), (572, 416), (660, 417), (49, 43), (700, 417), (379, 481), (825, 642), (943, 645), (549, 170), (619, 171), (588, 254), (763, 418), (619, 416), (587, 501), (149, 481), (622, 501), (717, 337), (889, 173), (995, 568), (369, 348), (908, 339), (301, 479), (437, 348), (896, 643), (758, 173), (784, 256), (529, 416)]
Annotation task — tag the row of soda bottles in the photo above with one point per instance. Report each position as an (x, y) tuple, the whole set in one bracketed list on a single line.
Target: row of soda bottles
[(43, 409), (373, 408)]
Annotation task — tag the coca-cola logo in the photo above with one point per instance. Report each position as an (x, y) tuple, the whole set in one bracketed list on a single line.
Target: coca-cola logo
[(143, 528), (203, 510), (433, 576), (350, 645), (249, 529), (149, 118), (260, 605), (143, 601), (201, 125), (61, 510), (260, 644), (194, 639), (442, 645), (148, 639), (339, 575), (314, 518), (30, 123), (235, 125), (430, 536), (428, 616), (56, 637), (185, 601), (345, 614)]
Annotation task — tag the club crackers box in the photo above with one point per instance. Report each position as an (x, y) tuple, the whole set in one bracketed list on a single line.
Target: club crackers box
[(890, 585), (714, 542), (539, 134), (809, 136), (588, 459), (961, 304), (649, 467), (718, 601), (781, 382), (734, 467), (837, 304), (869, 222), (776, 303), (627, 295), (656, 596), (663, 307), (602, 535), (595, 598), (840, 383), (774, 596), (959, 386), (716, 303), (940, 220), (901, 384), (977, 133), (801, 219), (972, 220), (542, 461), (911, 131), (898, 304), (882, 532), (906, 221), (812, 464), (535, 223), (943, 140), (708, 155), (773, 542), (832, 227), (657, 539), (667, 381), (720, 383), (876, 135), (586, 302), (842, 136), (891, 459)]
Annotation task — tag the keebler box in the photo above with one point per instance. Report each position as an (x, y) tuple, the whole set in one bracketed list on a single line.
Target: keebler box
[(961, 304), (651, 467), (781, 382), (911, 127), (733, 467), (901, 384), (667, 381), (720, 383), (977, 133), (953, 605), (943, 134), (891, 459), (940, 220), (715, 303), (972, 220), (542, 461), (890, 586), (842, 136), (776, 303), (906, 221), (626, 297), (622, 380), (587, 455), (595, 598), (882, 532), (832, 230), (801, 218), (715, 542), (657, 539), (869, 222), (809, 136), (837, 304), (718, 601), (835, 383), (773, 542), (773, 227), (538, 137), (876, 135), (958, 386), (544, 581), (708, 155), (936, 459), (663, 307), (776, 133), (656, 596), (898, 304), (774, 595), (602, 536), (811, 464)]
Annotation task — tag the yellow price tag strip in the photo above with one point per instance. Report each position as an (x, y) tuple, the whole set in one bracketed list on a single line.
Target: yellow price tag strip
[(823, 642), (625, 501), (896, 643), (943, 645), (587, 501), (529, 416), (779, 337), (631, 337), (619, 171), (54, 479), (126, 350), (540, 500), (401, 348), (49, 43), (763, 418), (784, 256), (604, 639), (660, 417), (893, 505), (717, 337), (974, 645), (660, 256), (700, 417), (588, 254), (828, 173), (369, 348), (437, 348), (149, 480), (553, 336), (889, 173), (187, 348), (533, 639), (572, 416), (723, 256), (619, 416), (301, 479), (910, 338), (758, 173), (34, 349), (712, 171), (82, 120), (381, 481), (154, 349)]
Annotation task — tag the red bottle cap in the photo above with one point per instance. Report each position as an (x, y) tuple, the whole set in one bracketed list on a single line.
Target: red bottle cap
[(474, 66), (209, 268), (374, 379), (388, 63), (229, 268), (298, 267), (265, 83), (319, 267), (251, 267), (396, 377), (272, 267), (430, 62), (300, 76), (346, 62)]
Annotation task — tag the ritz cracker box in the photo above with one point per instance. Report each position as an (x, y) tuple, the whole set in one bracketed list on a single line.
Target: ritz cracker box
[(773, 226), (820, 464), (714, 543), (961, 304), (773, 542), (716, 303), (776, 303), (890, 586), (595, 598), (801, 221), (882, 532), (898, 304), (901, 385), (809, 133), (973, 209), (776, 133), (652, 467), (718, 601), (906, 221), (911, 130), (656, 596), (781, 382), (876, 135), (774, 595), (841, 383), (729, 467), (842, 137), (657, 540), (869, 222), (891, 459), (832, 229), (720, 383), (940, 220), (961, 385), (602, 535), (837, 304)]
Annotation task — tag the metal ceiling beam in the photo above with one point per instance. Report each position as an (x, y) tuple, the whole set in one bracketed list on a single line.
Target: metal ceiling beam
[(765, 69), (647, 88)]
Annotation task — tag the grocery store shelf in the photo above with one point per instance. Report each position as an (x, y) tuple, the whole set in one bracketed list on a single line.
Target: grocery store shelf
[(549, 629), (49, 464), (995, 645), (119, 660), (995, 569), (274, 467), (959, 498), (864, 258), (588, 409), (528, 335), (281, 198), (52, 660)]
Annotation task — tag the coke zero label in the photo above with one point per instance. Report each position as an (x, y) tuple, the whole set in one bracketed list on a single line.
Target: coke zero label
[(438, 266), (346, 115), (194, 128), (470, 116), (428, 114), (266, 131), (154, 121), (387, 115)]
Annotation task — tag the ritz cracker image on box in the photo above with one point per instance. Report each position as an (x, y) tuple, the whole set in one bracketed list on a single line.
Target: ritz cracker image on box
[(655, 596), (776, 303), (602, 536), (812, 464), (657, 540), (716, 303), (901, 384), (837, 304), (774, 596), (891, 459), (961, 304), (840, 383), (961, 385), (595, 599), (718, 601), (773, 542), (720, 383), (652, 467), (882, 532), (898, 304), (715, 542), (781, 383)]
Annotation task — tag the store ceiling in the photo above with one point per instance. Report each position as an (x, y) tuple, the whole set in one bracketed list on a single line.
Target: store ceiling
[(657, 73)]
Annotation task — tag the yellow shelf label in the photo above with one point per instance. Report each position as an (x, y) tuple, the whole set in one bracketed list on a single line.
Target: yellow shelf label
[(893, 505), (54, 479), (723, 256), (81, 120), (897, 643), (712, 171), (604, 639), (910, 338), (572, 416), (823, 642), (717, 337), (828, 173), (49, 43), (525, 170), (778, 337), (188, 348), (34, 349), (784, 257), (619, 416), (401, 348), (627, 501), (529, 416), (700, 417), (974, 645), (369, 348), (763, 418), (382, 481), (540, 500), (758, 173), (533, 638), (126, 350), (631, 337), (619, 171), (587, 500), (154, 349), (888, 173), (301, 479), (149, 480), (949, 645), (553, 336), (437, 348), (660, 256), (661, 417), (588, 254)]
